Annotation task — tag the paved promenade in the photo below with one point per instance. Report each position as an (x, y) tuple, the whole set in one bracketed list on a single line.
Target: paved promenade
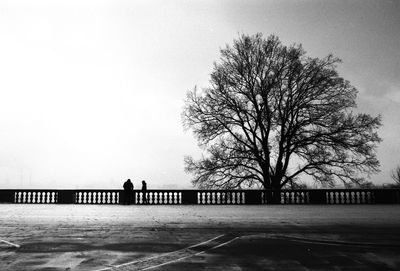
[(88, 237)]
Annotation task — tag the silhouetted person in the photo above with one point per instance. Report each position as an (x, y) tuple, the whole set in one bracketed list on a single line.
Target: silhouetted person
[(144, 192), (128, 192)]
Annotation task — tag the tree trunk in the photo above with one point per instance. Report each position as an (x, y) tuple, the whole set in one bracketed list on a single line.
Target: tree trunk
[(276, 191)]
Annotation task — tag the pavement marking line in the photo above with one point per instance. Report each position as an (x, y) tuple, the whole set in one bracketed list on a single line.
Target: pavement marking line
[(159, 256), (330, 242), (9, 243), (196, 254)]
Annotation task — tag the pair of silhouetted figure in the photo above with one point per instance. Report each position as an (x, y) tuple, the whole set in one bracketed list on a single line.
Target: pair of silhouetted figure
[(129, 194)]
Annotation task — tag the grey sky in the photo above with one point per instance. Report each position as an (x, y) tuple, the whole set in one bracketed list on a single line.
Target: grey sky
[(91, 92)]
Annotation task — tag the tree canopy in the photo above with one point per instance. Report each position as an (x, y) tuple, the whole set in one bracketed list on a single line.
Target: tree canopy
[(272, 114)]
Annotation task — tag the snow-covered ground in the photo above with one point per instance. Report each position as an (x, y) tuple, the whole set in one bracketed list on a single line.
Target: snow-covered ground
[(92, 237), (247, 216)]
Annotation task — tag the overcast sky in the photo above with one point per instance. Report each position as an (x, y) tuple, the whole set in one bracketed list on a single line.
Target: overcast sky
[(91, 92)]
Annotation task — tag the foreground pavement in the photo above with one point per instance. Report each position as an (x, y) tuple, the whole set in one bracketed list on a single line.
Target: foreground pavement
[(304, 237)]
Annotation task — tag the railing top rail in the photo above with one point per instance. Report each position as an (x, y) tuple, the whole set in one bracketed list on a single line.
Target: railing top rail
[(201, 190)]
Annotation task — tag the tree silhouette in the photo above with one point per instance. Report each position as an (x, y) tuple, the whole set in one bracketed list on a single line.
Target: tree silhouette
[(272, 114), (396, 176)]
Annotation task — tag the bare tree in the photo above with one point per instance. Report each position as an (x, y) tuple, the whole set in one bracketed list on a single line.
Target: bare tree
[(396, 176), (272, 114)]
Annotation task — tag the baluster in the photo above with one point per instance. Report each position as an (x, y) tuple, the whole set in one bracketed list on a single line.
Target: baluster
[(37, 197), (290, 197), (363, 200), (112, 198)]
